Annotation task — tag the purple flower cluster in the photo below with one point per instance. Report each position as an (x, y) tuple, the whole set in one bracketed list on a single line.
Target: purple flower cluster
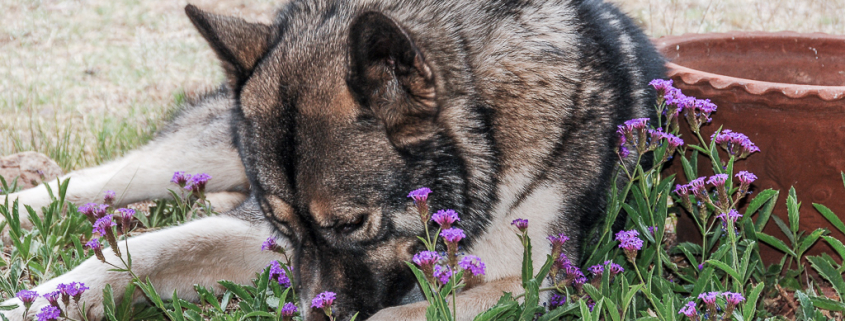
[(736, 144), (663, 87), (442, 273), (93, 211), (689, 310), (556, 301), (745, 178), (420, 195), (109, 197), (558, 240), (613, 268), (452, 235), (629, 240), (732, 215), (269, 244), (73, 289), (323, 300), (596, 270), (27, 297), (521, 224), (277, 273), (48, 313), (445, 218), (180, 178), (53, 298), (103, 224), (94, 244), (426, 258), (289, 310), (718, 180), (473, 265), (197, 184), (709, 298)]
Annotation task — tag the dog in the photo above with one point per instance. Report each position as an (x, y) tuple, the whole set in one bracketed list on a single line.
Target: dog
[(329, 116)]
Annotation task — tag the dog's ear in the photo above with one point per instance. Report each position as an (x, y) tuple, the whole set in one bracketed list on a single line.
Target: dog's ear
[(238, 43), (390, 76)]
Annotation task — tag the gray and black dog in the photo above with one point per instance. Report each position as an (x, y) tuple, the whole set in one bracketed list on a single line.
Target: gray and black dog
[(504, 108)]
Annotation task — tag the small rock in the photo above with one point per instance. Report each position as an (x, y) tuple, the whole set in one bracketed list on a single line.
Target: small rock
[(31, 169)]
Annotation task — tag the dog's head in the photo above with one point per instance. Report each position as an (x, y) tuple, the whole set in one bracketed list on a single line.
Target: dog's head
[(337, 121)]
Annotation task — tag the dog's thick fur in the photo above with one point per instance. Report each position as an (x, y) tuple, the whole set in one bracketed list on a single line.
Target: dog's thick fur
[(505, 108)]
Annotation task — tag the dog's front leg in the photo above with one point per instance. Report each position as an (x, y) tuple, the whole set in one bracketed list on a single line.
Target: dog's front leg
[(201, 252), (469, 303)]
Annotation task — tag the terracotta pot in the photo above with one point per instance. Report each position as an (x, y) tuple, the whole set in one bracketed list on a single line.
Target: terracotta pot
[(786, 91)]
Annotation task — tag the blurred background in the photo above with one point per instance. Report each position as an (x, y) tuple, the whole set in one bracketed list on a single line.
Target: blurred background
[(82, 81)]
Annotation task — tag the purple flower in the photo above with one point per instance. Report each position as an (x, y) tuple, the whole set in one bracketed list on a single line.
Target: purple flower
[(682, 190), (701, 266), (689, 310), (472, 264), (197, 183), (442, 273), (698, 188), (673, 141), (709, 298), (53, 298), (452, 235), (652, 229), (126, 215), (558, 240), (624, 152), (736, 144), (563, 262), (289, 310), (278, 273), (180, 178), (103, 224), (596, 270), (323, 300), (637, 123), (73, 289), (521, 224), (746, 178), (733, 298), (614, 268), (27, 296), (718, 180), (420, 195), (675, 97), (48, 313), (269, 244), (732, 215), (94, 244), (556, 301), (579, 281), (662, 86), (445, 218), (109, 197), (629, 240), (426, 258), (93, 210)]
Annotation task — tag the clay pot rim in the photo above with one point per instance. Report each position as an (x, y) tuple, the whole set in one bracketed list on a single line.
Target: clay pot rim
[(755, 87)]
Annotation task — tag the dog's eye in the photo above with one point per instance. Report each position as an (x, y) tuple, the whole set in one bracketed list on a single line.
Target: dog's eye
[(354, 225)]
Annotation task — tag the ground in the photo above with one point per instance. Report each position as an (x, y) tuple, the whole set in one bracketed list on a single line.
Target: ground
[(85, 80)]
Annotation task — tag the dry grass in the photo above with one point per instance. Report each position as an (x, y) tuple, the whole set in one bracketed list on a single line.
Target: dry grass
[(85, 80)]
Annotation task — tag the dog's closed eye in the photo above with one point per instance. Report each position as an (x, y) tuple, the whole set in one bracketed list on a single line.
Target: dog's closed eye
[(353, 226)]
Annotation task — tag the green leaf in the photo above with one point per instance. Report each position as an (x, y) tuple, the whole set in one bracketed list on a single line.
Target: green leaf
[(827, 271), (257, 314), (806, 305), (585, 311), (527, 263), (836, 245), (724, 267), (775, 242), (759, 200), (766, 212), (787, 231), (832, 218), (827, 304), (689, 170), (792, 206), (108, 303), (811, 239), (8, 307), (750, 306), (236, 289)]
